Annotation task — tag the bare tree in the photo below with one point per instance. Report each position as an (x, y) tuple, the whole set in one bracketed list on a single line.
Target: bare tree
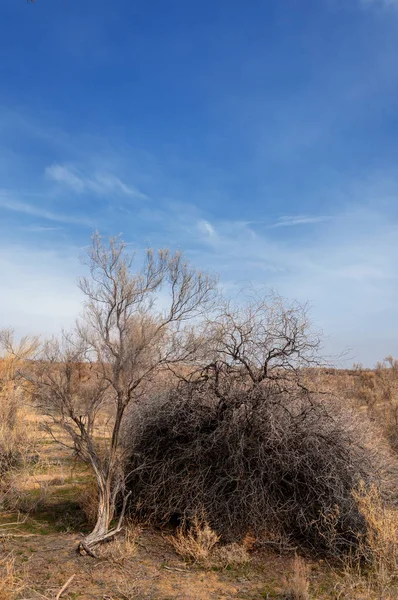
[(256, 341), (134, 325)]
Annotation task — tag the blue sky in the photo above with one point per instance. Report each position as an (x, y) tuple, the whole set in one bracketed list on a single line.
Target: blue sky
[(260, 137)]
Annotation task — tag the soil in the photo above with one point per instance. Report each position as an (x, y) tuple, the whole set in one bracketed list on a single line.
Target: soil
[(154, 572)]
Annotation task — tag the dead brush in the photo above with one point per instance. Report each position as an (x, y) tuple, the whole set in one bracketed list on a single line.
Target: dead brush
[(297, 585), (195, 542), (262, 460)]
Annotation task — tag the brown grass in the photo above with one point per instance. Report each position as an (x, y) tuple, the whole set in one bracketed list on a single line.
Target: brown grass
[(373, 569), (297, 584), (11, 583), (379, 548), (19, 448), (230, 556), (196, 542), (123, 548), (87, 498)]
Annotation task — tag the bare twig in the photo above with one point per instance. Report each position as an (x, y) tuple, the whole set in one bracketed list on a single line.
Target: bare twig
[(65, 587)]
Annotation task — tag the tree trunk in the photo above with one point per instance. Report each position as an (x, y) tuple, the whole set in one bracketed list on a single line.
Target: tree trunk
[(104, 515), (106, 511), (107, 493)]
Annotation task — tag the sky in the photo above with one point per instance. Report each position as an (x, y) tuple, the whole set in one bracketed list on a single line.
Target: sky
[(261, 138)]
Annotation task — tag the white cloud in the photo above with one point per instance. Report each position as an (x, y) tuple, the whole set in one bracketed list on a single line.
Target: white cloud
[(99, 183), (206, 228)]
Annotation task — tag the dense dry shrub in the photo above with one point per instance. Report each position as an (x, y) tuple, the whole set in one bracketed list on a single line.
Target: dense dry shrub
[(263, 459)]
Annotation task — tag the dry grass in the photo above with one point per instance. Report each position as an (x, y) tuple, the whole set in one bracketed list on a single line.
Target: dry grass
[(230, 556), (87, 498), (297, 586), (127, 588), (11, 583), (379, 548), (373, 569), (196, 542), (123, 548), (19, 448), (380, 544), (19, 439), (376, 392)]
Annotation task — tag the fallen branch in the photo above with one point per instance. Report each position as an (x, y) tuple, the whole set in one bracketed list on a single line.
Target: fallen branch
[(65, 587)]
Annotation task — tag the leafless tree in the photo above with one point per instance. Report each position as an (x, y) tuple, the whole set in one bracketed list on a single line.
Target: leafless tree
[(134, 324), (258, 340)]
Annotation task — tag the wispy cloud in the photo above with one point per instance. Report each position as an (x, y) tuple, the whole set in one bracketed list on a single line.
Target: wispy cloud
[(291, 221), (348, 273), (98, 183), (10, 203), (65, 176), (41, 229)]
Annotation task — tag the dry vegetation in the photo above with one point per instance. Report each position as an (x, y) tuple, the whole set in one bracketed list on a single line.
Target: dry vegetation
[(246, 468), (297, 586), (275, 463), (19, 449)]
